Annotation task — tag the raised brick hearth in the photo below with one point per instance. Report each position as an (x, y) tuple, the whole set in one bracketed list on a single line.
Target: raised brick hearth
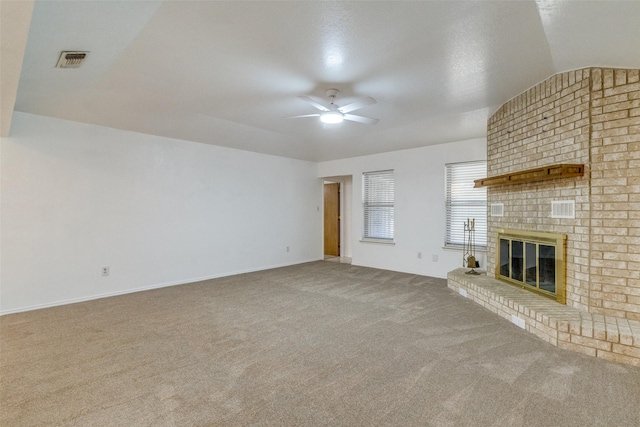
[(607, 337)]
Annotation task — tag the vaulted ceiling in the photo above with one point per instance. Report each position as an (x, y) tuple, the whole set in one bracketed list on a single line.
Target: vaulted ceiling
[(229, 73)]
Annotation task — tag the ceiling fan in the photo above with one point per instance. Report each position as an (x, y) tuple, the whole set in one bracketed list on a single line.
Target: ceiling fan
[(333, 113)]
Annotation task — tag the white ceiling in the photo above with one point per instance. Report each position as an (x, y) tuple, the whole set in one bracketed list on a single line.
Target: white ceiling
[(228, 73)]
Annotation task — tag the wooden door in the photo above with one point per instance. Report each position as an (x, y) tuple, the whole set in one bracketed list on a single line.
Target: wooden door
[(332, 219)]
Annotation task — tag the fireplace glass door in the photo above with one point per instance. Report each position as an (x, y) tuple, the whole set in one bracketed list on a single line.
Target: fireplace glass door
[(530, 263), (547, 263), (532, 260)]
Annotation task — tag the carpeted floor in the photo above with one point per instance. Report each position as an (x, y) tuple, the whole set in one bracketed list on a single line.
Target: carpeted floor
[(318, 344)]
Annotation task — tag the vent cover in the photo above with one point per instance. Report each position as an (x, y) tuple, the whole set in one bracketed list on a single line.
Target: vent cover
[(563, 209), (497, 209), (71, 59)]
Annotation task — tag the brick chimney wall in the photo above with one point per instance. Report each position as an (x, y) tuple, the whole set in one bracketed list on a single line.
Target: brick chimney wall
[(591, 117)]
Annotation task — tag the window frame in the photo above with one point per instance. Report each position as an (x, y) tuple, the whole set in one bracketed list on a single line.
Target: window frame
[(380, 203), (473, 200)]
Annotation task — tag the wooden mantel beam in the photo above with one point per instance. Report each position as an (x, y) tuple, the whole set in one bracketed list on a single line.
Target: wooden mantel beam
[(533, 175)]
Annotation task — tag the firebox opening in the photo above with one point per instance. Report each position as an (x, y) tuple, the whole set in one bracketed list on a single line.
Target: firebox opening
[(533, 260)]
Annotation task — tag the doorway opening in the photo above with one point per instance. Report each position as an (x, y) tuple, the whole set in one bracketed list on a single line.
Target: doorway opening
[(332, 219), (337, 219)]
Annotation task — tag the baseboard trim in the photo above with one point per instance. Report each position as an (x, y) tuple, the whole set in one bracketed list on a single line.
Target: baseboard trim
[(150, 287)]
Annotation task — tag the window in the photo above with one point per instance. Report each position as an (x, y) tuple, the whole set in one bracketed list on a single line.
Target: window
[(463, 201), (377, 195)]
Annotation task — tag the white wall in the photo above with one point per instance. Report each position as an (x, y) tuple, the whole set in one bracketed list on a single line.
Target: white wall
[(419, 206), (157, 211)]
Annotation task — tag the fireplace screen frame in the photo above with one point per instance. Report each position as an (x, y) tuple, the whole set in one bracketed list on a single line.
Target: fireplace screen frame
[(558, 241)]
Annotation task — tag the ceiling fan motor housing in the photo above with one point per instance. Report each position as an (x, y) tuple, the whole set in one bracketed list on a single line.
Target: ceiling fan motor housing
[(332, 93)]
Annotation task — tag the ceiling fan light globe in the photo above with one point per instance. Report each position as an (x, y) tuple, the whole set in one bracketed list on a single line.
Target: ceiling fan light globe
[(332, 117)]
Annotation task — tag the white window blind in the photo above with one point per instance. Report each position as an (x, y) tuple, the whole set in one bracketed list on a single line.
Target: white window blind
[(463, 202), (378, 197)]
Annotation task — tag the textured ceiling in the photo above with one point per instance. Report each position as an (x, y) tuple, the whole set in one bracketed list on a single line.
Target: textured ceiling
[(228, 73)]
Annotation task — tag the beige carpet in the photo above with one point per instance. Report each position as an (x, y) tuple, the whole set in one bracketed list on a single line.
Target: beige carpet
[(319, 344)]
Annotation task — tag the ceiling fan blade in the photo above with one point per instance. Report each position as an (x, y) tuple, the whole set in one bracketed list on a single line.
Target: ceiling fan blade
[(362, 102), (361, 119), (304, 115), (314, 103)]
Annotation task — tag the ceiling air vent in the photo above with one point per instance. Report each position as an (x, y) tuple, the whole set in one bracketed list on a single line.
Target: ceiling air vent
[(71, 59)]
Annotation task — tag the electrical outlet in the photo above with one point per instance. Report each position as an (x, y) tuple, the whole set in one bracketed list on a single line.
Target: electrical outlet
[(105, 271), (287, 248), (419, 255), (434, 258)]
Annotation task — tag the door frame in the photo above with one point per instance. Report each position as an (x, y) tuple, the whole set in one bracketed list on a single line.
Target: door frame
[(332, 241), (346, 188)]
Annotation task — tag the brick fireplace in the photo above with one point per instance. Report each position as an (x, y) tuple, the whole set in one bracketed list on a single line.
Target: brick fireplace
[(589, 117)]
